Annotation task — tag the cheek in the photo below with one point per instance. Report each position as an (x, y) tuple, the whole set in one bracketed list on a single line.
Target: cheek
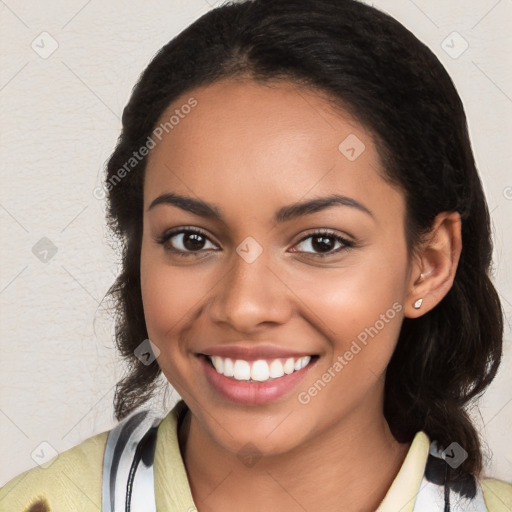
[(167, 296), (353, 296), (172, 296), (361, 304), (359, 312)]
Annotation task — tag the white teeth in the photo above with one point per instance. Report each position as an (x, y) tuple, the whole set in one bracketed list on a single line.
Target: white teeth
[(289, 366), (229, 369), (276, 369), (259, 370), (218, 363), (305, 361), (301, 362), (242, 370)]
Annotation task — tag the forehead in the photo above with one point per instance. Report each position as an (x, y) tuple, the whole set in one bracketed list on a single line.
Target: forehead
[(250, 140)]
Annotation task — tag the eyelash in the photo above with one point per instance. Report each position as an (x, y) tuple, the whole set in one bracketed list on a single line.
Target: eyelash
[(164, 239)]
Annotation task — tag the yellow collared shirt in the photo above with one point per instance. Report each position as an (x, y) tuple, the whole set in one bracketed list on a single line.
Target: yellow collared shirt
[(73, 480)]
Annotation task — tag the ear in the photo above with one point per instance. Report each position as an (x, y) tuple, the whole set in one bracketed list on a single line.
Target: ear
[(434, 264)]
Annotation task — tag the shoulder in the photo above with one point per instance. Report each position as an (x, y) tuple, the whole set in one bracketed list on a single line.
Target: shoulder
[(73, 480), (497, 494), (70, 481)]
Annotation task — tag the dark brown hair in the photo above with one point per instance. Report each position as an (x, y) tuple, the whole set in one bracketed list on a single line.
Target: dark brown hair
[(394, 85)]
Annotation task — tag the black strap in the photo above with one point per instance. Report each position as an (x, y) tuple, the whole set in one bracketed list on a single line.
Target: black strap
[(144, 452)]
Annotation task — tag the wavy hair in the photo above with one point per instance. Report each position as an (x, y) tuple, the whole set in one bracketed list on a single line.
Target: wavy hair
[(369, 64)]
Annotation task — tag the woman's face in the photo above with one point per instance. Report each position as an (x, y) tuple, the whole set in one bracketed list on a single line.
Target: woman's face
[(245, 280)]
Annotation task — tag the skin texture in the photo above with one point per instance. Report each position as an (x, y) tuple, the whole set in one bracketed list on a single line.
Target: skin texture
[(250, 149)]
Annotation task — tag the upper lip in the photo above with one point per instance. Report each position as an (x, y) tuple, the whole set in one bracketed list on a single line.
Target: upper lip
[(253, 353)]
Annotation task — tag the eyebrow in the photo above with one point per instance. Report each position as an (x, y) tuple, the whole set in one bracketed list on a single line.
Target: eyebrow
[(286, 213)]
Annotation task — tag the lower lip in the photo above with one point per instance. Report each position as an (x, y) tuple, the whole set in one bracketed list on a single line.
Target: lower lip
[(253, 393)]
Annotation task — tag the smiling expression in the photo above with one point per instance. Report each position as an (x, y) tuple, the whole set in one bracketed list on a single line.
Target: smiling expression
[(265, 241)]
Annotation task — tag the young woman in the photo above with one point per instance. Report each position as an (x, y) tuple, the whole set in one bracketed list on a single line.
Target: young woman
[(306, 243)]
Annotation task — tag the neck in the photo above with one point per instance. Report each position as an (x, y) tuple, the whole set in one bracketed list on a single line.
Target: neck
[(347, 467)]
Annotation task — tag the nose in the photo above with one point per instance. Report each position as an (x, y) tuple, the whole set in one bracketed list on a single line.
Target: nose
[(250, 295)]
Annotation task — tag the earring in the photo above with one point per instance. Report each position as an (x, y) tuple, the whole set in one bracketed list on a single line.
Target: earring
[(417, 304)]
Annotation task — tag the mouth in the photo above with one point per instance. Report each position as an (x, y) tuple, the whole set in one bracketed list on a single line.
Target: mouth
[(255, 382), (261, 370)]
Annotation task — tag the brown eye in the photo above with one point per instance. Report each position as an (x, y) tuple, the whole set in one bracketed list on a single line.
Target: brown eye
[(185, 242), (193, 241), (324, 244)]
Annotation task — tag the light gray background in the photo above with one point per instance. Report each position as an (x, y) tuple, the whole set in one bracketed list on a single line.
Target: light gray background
[(60, 120)]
